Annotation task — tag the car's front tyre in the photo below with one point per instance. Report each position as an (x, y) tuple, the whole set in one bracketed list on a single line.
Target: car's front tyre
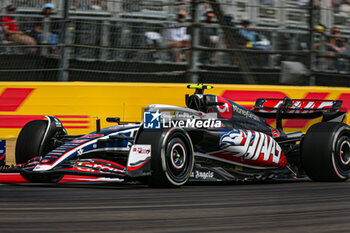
[(30, 143), (172, 156)]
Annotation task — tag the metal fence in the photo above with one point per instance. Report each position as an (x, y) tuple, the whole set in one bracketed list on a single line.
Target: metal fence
[(107, 38), (262, 11)]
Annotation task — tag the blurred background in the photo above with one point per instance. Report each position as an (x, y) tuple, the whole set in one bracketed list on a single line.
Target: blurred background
[(299, 42)]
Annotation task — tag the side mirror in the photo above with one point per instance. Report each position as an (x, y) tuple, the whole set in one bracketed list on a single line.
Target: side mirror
[(113, 120)]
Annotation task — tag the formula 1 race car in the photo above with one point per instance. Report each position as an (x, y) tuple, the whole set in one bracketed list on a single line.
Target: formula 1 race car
[(212, 139)]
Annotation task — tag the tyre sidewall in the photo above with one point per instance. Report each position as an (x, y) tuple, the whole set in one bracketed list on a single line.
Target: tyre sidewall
[(342, 133), (32, 142), (320, 148), (179, 137), (29, 140), (159, 140)]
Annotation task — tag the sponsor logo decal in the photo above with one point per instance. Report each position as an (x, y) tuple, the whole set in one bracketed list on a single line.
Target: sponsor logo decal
[(95, 167), (244, 113), (202, 175), (141, 150), (139, 156), (225, 110), (251, 145)]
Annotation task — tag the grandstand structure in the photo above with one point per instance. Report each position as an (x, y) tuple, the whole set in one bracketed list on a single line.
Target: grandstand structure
[(125, 40)]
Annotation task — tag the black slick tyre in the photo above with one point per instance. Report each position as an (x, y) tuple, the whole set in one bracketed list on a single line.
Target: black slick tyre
[(29, 140), (325, 152), (29, 145), (172, 156)]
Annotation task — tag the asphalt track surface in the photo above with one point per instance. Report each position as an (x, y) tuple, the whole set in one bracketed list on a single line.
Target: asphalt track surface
[(301, 206)]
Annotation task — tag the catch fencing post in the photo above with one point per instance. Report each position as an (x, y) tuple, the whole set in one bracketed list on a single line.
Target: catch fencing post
[(194, 53), (311, 58), (64, 62)]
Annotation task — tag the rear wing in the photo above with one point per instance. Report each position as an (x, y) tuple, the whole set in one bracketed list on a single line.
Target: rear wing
[(299, 109)]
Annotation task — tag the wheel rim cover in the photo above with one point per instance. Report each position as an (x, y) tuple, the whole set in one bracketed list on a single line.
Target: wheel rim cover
[(178, 156)]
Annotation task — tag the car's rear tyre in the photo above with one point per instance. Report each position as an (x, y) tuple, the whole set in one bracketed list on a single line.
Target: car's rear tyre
[(30, 144), (325, 152), (172, 156)]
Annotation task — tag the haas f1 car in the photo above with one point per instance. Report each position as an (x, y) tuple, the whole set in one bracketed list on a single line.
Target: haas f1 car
[(212, 139)]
